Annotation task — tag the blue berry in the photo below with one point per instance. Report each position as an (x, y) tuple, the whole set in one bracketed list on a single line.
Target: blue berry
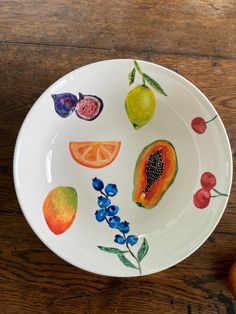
[(114, 221), (132, 239), (103, 201), (124, 227), (111, 189), (97, 184), (64, 104), (100, 214), (119, 239), (112, 210)]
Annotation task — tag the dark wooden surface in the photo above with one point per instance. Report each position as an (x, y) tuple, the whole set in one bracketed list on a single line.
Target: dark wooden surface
[(42, 40)]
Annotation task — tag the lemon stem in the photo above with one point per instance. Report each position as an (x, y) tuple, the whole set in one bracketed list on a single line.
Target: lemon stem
[(139, 71)]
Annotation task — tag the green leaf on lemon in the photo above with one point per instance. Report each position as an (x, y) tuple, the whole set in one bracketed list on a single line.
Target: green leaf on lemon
[(154, 84), (131, 76)]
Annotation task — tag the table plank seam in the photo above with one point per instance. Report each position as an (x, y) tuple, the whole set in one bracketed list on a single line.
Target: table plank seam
[(148, 52)]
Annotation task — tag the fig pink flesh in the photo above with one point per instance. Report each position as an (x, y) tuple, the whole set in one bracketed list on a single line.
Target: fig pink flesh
[(88, 107)]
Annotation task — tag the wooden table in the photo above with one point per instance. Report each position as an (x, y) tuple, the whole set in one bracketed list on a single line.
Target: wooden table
[(41, 41)]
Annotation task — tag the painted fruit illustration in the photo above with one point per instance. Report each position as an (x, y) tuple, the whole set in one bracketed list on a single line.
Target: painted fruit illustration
[(107, 213), (89, 107), (202, 197), (59, 208), (64, 104), (140, 103), (199, 125), (208, 180), (94, 154), (155, 171)]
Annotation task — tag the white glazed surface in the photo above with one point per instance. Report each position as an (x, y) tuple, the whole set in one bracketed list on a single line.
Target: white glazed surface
[(175, 228)]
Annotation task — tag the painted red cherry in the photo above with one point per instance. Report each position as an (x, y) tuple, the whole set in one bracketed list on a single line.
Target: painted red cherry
[(208, 180), (201, 198), (199, 124)]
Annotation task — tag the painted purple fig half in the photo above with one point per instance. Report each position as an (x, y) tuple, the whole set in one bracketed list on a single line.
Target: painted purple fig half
[(89, 107), (64, 104)]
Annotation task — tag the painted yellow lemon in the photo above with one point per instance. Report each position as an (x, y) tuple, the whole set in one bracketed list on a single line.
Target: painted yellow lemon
[(140, 104), (59, 208)]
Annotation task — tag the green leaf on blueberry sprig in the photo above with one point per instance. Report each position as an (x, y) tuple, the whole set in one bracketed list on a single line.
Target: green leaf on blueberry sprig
[(111, 250), (143, 250), (125, 261)]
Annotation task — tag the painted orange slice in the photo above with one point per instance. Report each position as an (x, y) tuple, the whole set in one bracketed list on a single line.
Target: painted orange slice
[(94, 154)]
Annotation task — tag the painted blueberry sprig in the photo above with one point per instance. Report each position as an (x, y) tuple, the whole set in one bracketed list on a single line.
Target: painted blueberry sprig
[(108, 212)]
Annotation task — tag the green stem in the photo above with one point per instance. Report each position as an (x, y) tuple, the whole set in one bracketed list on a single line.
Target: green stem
[(143, 81), (219, 193), (211, 119), (127, 245), (139, 71)]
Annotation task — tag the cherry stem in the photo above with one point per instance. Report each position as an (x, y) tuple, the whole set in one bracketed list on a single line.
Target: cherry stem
[(219, 193), (211, 119)]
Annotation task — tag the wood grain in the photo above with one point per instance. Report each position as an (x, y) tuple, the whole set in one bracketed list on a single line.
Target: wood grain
[(33, 279), (179, 27)]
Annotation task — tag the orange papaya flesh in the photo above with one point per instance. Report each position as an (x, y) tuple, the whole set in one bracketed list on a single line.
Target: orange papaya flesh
[(155, 171)]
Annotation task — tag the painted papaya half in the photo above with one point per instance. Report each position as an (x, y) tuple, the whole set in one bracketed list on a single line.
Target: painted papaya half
[(155, 171)]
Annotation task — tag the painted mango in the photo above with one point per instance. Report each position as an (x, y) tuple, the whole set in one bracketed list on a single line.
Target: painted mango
[(59, 208), (155, 171)]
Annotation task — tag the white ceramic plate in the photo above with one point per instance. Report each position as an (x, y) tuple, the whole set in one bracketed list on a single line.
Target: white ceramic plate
[(168, 232)]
